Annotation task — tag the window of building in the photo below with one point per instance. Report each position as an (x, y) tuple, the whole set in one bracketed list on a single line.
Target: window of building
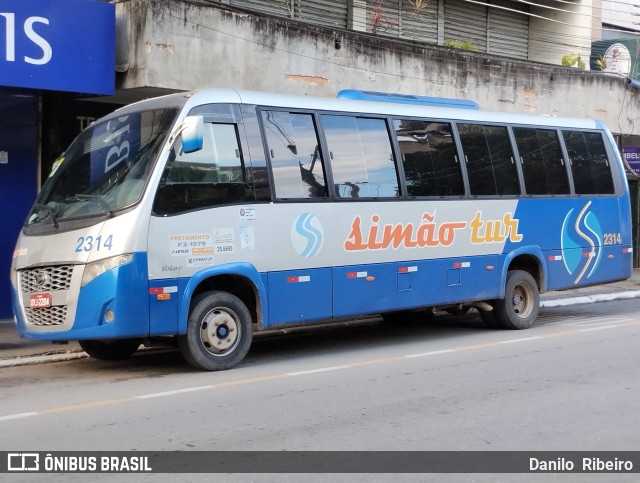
[(429, 158), (294, 150), (489, 160), (542, 161), (362, 159)]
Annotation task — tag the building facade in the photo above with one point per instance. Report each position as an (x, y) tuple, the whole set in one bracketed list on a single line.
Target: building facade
[(184, 44)]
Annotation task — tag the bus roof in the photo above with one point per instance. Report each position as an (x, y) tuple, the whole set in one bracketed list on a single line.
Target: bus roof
[(228, 95), (406, 99)]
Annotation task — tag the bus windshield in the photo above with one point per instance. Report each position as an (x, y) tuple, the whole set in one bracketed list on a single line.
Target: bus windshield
[(104, 170)]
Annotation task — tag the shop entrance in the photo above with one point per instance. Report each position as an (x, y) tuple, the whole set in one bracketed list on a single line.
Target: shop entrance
[(18, 176)]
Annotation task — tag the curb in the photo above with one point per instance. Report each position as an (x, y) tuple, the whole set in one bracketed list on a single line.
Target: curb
[(41, 359), (589, 299)]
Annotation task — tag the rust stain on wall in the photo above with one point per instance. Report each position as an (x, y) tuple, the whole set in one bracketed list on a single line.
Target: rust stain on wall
[(308, 79), (530, 93), (166, 47)]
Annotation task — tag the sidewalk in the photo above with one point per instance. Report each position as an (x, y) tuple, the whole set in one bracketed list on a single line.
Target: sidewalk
[(13, 349)]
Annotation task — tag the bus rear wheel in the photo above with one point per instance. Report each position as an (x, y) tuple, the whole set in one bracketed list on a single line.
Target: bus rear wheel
[(219, 332), (521, 304), (110, 350), (489, 318)]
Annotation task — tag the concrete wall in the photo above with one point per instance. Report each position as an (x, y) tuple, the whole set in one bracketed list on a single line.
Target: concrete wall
[(189, 44)]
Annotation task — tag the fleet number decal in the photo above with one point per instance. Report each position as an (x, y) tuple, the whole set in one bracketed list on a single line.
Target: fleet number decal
[(612, 238), (88, 243)]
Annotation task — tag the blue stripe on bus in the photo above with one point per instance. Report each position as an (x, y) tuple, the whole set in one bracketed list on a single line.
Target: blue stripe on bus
[(388, 287)]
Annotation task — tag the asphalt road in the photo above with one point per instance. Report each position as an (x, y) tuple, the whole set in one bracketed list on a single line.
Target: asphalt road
[(569, 383)]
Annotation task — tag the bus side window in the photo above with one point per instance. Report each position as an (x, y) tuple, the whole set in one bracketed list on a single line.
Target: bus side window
[(362, 159), (257, 173), (428, 154), (589, 163), (542, 161), (489, 160), (296, 160), (217, 161), (211, 176)]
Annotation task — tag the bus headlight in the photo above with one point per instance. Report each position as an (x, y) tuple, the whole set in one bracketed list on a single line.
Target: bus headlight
[(92, 270), (13, 276)]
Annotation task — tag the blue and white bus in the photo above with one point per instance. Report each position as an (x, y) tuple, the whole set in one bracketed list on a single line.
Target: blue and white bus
[(207, 217)]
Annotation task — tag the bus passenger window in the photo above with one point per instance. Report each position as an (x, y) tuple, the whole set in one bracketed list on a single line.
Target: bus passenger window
[(296, 160), (362, 159), (542, 161), (257, 173), (211, 176), (589, 163), (428, 153), (489, 160)]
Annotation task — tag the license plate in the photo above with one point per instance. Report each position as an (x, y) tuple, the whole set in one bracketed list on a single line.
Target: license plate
[(40, 300)]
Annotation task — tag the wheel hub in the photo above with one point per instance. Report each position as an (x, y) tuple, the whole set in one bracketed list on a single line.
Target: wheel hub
[(219, 331), (521, 301)]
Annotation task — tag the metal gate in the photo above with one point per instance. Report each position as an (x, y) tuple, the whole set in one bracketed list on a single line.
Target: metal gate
[(465, 21), (330, 13), (508, 31)]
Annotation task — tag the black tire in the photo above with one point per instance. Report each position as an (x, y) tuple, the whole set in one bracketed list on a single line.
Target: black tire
[(489, 319), (110, 350), (406, 318), (521, 304), (219, 332)]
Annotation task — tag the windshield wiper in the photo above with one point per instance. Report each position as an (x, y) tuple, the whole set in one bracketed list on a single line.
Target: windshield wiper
[(101, 201), (49, 210)]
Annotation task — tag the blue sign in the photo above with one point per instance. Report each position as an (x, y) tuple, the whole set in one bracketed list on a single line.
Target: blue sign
[(632, 155), (115, 142), (61, 45)]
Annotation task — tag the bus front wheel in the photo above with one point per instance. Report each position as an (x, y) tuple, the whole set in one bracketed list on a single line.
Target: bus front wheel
[(219, 332), (521, 304)]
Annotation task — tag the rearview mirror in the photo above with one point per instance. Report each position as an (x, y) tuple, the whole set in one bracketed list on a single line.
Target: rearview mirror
[(192, 134)]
